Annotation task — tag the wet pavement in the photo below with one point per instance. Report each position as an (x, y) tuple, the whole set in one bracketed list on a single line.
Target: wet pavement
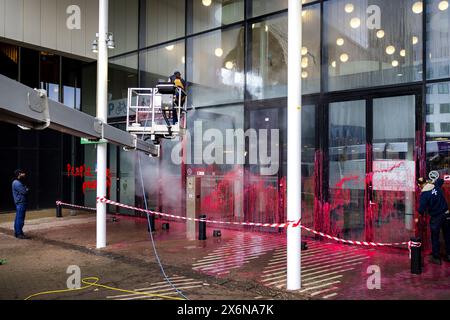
[(238, 265)]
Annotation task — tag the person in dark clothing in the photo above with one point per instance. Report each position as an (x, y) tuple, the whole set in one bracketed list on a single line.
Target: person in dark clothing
[(20, 193), (179, 82), (433, 201)]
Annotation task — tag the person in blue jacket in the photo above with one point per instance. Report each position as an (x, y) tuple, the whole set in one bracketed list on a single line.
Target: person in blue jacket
[(20, 195), (433, 201)]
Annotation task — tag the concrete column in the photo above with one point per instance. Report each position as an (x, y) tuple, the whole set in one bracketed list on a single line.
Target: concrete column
[(294, 144), (102, 114)]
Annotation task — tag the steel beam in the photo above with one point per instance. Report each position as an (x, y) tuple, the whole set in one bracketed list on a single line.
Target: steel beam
[(24, 106)]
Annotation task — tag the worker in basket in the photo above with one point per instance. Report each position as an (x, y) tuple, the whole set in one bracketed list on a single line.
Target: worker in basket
[(179, 82)]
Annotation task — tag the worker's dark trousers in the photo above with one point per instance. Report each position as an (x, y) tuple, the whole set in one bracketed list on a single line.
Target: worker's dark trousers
[(20, 218), (436, 224)]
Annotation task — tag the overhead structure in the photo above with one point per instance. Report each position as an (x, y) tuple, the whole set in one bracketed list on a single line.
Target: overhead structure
[(29, 108), (294, 143)]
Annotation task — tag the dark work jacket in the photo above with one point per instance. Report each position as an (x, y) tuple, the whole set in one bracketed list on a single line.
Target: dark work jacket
[(19, 192), (432, 199)]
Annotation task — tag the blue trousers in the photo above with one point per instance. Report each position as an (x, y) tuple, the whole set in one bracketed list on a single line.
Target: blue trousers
[(436, 224), (20, 219)]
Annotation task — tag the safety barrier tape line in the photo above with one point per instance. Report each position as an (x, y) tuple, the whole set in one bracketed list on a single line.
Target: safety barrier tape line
[(296, 224), (60, 203)]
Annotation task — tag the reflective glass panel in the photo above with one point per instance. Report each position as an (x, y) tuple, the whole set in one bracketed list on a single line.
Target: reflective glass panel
[(372, 42)]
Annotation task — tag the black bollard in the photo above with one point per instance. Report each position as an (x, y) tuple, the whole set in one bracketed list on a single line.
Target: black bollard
[(304, 245), (151, 218), (58, 211), (416, 257), (202, 228)]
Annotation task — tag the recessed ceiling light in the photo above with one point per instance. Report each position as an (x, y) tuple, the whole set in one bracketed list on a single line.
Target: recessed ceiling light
[(344, 57), (334, 64), (403, 52), (206, 3), (340, 42), (170, 48), (229, 65), (183, 59), (390, 50), (395, 63), (415, 40), (443, 5), (305, 62), (304, 51), (380, 34), (417, 7), (349, 7), (304, 74), (218, 52), (355, 23)]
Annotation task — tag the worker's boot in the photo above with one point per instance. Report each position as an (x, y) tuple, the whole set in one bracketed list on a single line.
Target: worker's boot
[(435, 260)]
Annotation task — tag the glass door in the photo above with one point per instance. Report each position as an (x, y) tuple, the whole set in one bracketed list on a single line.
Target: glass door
[(344, 213), (392, 202), (371, 168)]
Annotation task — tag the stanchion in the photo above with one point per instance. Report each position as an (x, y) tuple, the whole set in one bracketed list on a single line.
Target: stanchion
[(59, 211), (416, 256), (202, 228)]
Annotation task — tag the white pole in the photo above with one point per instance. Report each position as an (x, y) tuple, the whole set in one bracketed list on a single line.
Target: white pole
[(294, 133), (102, 103)]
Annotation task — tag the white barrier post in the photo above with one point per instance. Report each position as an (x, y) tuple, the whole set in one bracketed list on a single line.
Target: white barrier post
[(294, 133), (102, 114)]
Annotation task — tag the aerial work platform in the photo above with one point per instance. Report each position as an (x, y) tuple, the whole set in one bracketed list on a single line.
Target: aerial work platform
[(158, 113)]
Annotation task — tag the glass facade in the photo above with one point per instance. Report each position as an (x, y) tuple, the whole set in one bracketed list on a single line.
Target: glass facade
[(44, 155), (362, 69)]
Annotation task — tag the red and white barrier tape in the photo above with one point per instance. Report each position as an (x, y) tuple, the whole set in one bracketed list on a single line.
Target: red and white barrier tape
[(253, 224), (60, 203), (292, 224)]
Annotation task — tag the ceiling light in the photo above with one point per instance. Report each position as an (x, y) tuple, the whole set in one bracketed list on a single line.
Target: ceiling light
[(304, 74), (443, 5), (417, 7), (355, 23), (344, 57), (183, 60), (229, 65), (334, 64), (218, 52), (340, 42), (415, 40), (380, 34), (349, 7), (395, 63), (403, 52), (170, 48), (390, 50), (266, 28), (206, 3), (304, 51), (304, 13), (305, 62)]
